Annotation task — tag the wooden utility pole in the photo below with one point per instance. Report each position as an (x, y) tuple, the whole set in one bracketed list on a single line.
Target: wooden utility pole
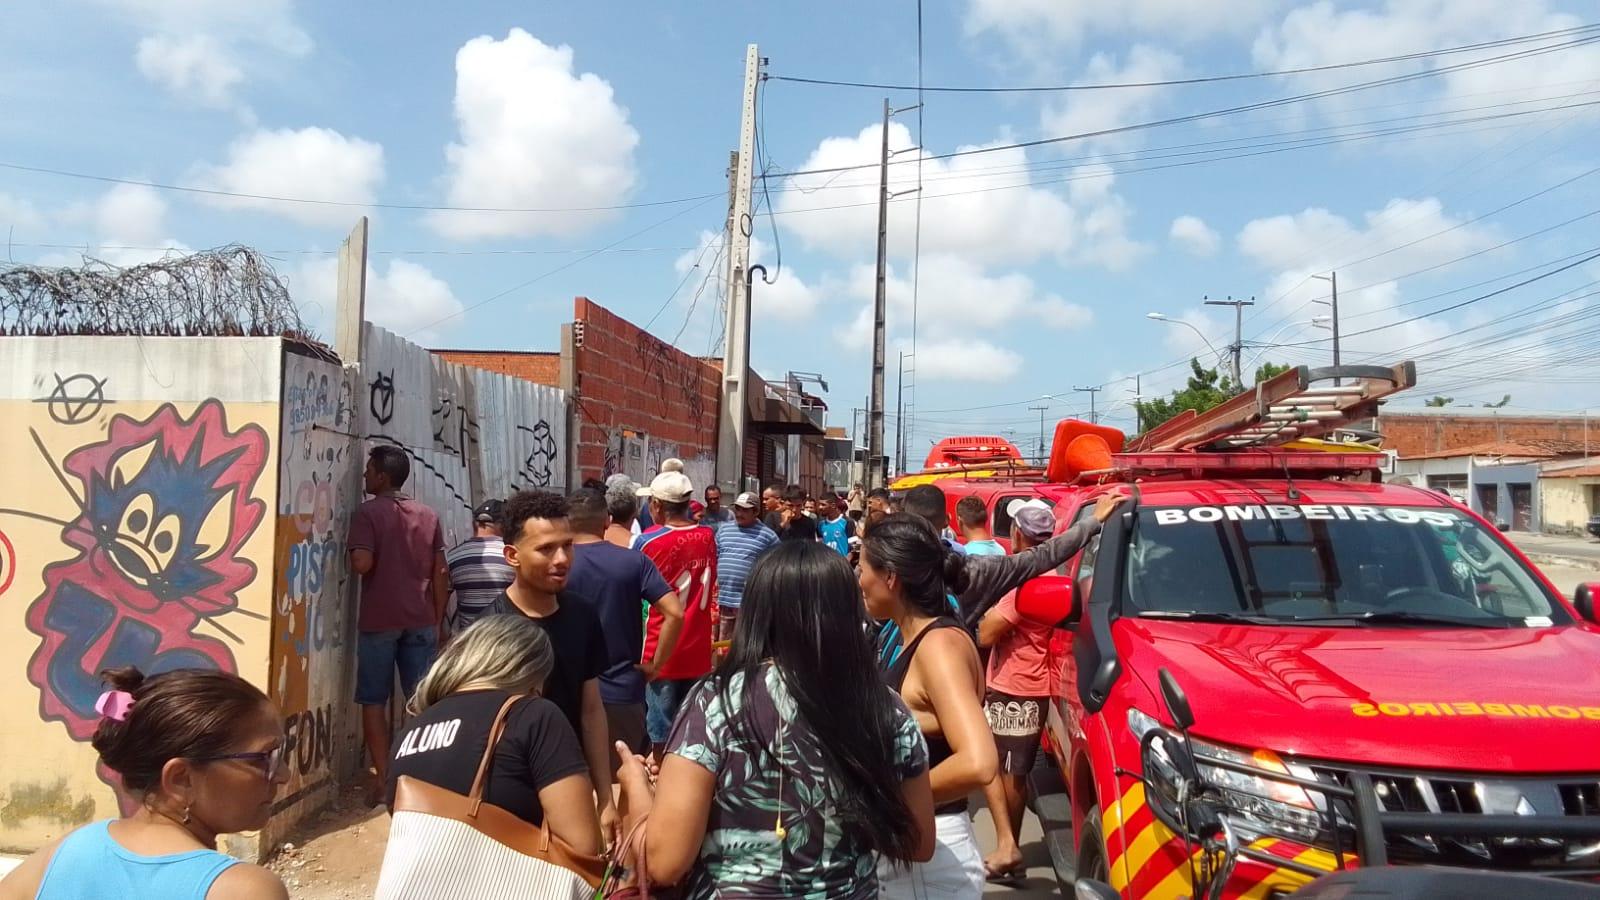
[(736, 339)]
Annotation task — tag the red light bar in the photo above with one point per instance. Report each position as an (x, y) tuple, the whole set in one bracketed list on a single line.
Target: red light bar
[(1262, 461)]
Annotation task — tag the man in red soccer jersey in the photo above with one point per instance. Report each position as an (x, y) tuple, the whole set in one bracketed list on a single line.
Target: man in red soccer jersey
[(686, 554)]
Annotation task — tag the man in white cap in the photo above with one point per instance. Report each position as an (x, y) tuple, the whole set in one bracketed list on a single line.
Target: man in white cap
[(686, 554), (739, 544)]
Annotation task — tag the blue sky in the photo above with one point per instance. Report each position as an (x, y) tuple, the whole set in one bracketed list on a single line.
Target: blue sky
[(1037, 265)]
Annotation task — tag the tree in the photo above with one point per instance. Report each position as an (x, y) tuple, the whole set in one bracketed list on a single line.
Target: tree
[(1504, 402), (1205, 389), (1438, 402)]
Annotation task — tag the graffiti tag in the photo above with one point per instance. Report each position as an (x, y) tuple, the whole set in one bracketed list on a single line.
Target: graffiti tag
[(76, 399)]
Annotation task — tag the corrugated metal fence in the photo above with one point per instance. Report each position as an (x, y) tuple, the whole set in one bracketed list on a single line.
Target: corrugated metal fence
[(471, 434)]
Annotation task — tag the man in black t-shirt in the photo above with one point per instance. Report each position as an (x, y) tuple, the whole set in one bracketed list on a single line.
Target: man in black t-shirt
[(538, 540)]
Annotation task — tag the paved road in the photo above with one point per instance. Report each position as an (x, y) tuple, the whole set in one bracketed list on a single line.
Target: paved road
[(1583, 550), (1041, 880)]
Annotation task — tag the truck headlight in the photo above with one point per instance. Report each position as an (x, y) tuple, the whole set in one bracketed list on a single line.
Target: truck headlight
[(1256, 805)]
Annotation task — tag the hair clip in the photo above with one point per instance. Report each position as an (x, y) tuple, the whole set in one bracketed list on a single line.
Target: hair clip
[(114, 705)]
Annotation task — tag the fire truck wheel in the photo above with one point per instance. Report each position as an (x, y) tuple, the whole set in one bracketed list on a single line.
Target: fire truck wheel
[(1092, 848)]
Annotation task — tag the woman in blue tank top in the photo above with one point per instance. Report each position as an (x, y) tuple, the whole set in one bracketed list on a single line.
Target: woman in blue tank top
[(201, 753)]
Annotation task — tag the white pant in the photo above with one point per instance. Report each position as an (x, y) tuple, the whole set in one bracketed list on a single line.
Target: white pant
[(955, 873)]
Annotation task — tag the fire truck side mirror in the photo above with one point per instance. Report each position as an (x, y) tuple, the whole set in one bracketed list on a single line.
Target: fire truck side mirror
[(1587, 599), (1177, 702), (1048, 600)]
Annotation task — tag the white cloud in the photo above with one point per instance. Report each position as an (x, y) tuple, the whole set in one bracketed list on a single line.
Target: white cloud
[(1089, 112), (310, 163), (533, 134), (201, 51), (1309, 243), (128, 225), (1035, 26), (957, 300), (1194, 235), (17, 213), (966, 360), (1007, 225), (1320, 34), (407, 298), (194, 65)]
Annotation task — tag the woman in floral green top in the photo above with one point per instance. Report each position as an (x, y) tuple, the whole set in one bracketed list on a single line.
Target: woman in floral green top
[(792, 768)]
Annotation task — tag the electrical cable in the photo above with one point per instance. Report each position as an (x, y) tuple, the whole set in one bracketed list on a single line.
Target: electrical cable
[(564, 266), (1203, 79), (1233, 110), (213, 192)]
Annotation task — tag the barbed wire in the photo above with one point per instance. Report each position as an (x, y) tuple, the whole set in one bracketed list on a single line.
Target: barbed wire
[(225, 292)]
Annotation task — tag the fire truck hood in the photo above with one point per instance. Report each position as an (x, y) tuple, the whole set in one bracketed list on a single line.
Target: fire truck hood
[(1503, 700)]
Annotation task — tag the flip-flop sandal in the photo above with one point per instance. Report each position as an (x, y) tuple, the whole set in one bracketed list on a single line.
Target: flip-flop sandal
[(1013, 877)]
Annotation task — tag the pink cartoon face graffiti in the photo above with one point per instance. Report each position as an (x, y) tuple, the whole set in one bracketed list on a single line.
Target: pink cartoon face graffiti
[(166, 510)]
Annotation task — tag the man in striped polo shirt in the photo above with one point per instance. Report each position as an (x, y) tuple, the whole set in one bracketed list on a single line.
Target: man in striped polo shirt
[(739, 544), (479, 572)]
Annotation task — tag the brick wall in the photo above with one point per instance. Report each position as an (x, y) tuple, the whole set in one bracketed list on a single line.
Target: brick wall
[(1414, 434), (627, 379), (534, 366)]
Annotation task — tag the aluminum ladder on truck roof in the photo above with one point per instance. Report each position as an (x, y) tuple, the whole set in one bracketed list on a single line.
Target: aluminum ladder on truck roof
[(1300, 403)]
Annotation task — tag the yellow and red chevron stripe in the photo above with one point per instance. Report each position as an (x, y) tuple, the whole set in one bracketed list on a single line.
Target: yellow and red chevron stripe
[(1149, 858)]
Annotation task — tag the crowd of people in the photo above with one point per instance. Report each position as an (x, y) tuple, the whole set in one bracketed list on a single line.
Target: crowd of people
[(785, 697)]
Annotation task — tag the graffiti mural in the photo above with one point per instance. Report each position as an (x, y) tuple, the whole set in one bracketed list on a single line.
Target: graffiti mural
[(165, 506), (318, 489)]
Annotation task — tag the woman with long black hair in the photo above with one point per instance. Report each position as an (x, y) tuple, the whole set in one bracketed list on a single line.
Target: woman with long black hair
[(792, 768), (908, 576)]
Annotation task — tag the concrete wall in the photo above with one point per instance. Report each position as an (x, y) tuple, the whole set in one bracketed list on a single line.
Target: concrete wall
[(135, 528), (639, 400), (180, 502), (1501, 478), (312, 665), (1565, 504), (471, 434)]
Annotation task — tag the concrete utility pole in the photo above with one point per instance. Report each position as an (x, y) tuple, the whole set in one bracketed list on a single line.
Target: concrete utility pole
[(736, 340), (1333, 308), (1138, 403), (875, 474), (1040, 410), (1091, 391), (1238, 333), (900, 418)]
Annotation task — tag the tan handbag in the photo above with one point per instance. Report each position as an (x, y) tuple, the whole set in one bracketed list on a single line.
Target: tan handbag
[(442, 845)]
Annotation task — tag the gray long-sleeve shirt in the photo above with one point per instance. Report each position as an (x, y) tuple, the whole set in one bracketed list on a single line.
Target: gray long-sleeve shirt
[(992, 577)]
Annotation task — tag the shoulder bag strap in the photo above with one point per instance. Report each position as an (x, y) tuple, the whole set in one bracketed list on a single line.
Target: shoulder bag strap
[(495, 731)]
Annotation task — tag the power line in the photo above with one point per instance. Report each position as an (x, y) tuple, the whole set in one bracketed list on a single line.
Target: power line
[(317, 251), (564, 266), (309, 201), (1270, 150), (1233, 110), (1175, 82), (1464, 303)]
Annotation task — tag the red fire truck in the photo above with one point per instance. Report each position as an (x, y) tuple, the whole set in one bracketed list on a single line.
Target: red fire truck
[(1271, 665)]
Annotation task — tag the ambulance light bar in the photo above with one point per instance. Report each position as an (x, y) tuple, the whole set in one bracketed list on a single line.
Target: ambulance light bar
[(1264, 462)]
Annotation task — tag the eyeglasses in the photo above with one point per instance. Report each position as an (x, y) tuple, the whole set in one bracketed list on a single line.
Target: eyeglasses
[(270, 762)]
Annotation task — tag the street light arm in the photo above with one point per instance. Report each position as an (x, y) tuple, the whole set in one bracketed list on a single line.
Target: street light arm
[(1189, 325)]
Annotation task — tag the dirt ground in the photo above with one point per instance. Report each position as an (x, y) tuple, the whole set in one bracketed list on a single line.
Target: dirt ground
[(337, 856)]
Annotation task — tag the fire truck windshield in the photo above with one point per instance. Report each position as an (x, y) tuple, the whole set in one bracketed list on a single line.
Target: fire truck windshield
[(1329, 564)]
